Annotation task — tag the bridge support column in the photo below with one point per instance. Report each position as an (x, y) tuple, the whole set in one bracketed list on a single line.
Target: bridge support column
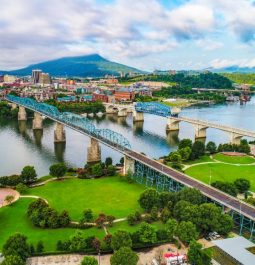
[(235, 138), (59, 133), (122, 113), (37, 121), (138, 116), (200, 131), (129, 165), (93, 151), (14, 106), (22, 115), (172, 125), (109, 110)]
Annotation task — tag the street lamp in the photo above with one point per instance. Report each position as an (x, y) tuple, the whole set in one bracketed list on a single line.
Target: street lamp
[(99, 258)]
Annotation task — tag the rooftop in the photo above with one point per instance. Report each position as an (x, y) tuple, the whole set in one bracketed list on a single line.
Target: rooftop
[(236, 247)]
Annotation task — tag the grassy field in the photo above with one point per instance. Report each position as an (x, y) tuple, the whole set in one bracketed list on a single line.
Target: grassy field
[(14, 219), (222, 172), (234, 159), (109, 195), (203, 159)]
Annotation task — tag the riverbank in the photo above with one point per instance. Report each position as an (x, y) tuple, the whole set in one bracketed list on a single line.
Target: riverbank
[(184, 103)]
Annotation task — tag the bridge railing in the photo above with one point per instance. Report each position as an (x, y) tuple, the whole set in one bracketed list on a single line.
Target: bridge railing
[(153, 108), (76, 121)]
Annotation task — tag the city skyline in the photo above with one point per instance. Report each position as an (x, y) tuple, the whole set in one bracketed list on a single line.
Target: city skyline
[(149, 35)]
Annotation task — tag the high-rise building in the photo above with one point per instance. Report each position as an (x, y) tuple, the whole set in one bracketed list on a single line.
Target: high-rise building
[(44, 78), (36, 76)]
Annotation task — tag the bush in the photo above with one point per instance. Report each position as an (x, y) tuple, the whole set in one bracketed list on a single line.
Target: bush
[(58, 170), (242, 185), (21, 188), (131, 219), (148, 199), (89, 261), (227, 187), (12, 180)]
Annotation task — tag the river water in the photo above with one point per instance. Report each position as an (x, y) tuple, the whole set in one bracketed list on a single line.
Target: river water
[(20, 145)]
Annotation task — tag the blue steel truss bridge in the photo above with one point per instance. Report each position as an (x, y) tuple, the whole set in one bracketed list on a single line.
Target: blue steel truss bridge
[(144, 169)]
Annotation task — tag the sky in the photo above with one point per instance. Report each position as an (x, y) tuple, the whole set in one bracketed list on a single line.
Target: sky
[(146, 34)]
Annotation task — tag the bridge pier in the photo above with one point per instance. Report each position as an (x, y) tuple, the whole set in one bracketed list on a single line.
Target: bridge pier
[(172, 125), (110, 110), (22, 115), (235, 138), (59, 133), (122, 113), (138, 116), (37, 121), (93, 151), (14, 106), (200, 131), (129, 165)]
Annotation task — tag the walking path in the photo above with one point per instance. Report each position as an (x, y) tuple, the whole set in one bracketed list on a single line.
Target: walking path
[(34, 197)]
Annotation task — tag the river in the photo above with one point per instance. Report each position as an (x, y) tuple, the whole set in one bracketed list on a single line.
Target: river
[(21, 146)]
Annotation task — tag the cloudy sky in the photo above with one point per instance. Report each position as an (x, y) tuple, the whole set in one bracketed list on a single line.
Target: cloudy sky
[(147, 34)]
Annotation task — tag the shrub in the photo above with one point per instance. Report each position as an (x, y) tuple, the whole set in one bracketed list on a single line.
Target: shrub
[(28, 174), (58, 170), (21, 188)]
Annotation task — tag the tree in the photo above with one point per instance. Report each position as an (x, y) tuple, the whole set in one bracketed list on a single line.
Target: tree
[(21, 188), (175, 157), (243, 185), (121, 238), (198, 149), (185, 153), (226, 224), (64, 219), (185, 143), (96, 244), (186, 231), (89, 261), (124, 256), (165, 215), (197, 256), (148, 199), (39, 247), (9, 199), (131, 219), (101, 219), (77, 242), (147, 233), (110, 219), (191, 195), (211, 148), (97, 170), (171, 226), (16, 245), (87, 216), (154, 213), (28, 174), (13, 260), (58, 170), (108, 161)]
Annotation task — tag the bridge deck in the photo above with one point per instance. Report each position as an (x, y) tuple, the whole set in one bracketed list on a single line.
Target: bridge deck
[(217, 126), (208, 191)]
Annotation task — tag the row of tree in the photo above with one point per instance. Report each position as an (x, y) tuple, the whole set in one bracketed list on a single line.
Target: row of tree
[(77, 107), (238, 186)]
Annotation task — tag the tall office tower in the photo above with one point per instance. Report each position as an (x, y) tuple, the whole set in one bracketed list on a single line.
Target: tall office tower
[(44, 79), (36, 76)]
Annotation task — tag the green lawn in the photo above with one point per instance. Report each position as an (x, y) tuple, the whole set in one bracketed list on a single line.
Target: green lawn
[(14, 219), (109, 195), (222, 172), (234, 159), (205, 158)]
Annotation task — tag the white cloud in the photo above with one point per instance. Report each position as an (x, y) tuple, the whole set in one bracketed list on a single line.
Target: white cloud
[(209, 45), (222, 63)]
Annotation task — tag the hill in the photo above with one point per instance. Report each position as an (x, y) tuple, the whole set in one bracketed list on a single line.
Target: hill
[(79, 66)]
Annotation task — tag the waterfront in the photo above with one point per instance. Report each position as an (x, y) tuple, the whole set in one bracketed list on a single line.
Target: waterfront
[(21, 146)]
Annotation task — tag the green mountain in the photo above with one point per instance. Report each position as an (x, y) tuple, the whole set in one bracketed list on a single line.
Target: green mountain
[(80, 66)]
